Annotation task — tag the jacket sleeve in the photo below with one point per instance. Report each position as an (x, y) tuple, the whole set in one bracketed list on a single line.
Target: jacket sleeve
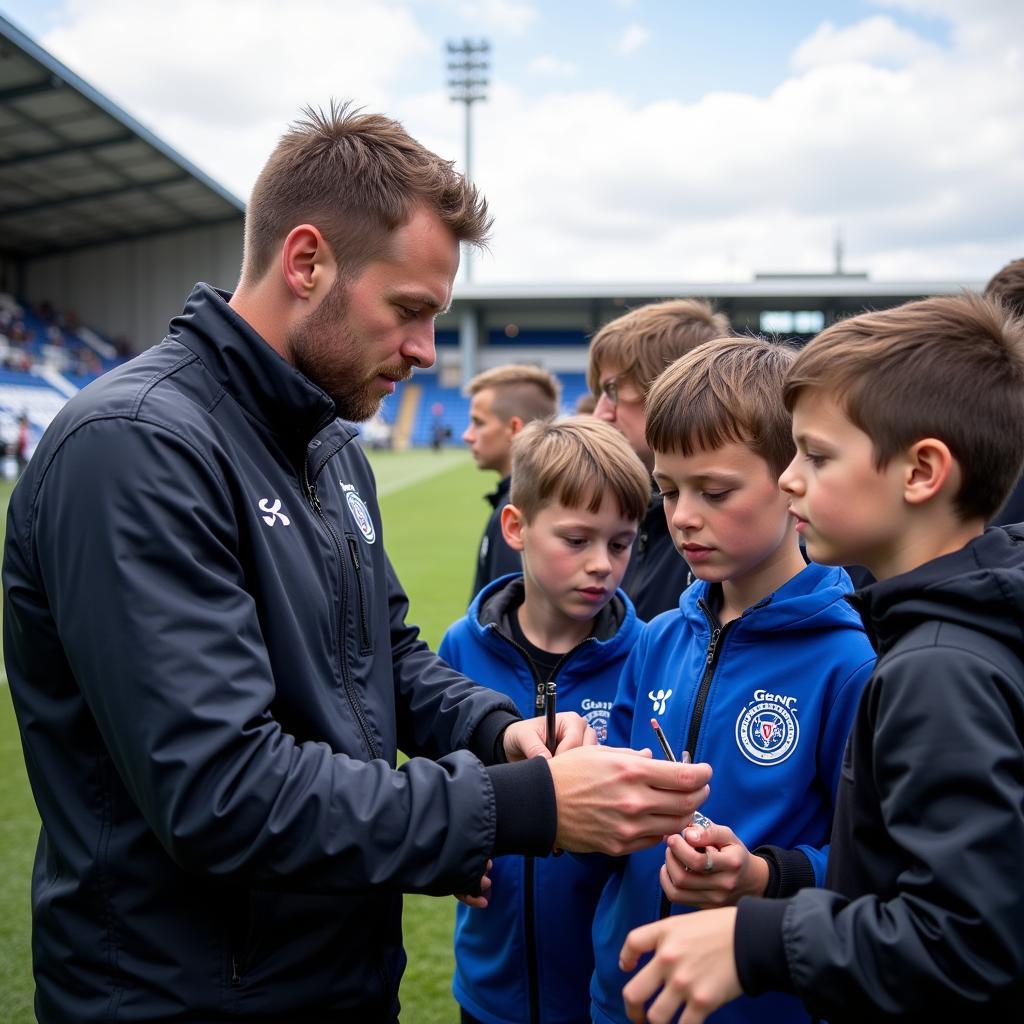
[(439, 709), (135, 536), (948, 756)]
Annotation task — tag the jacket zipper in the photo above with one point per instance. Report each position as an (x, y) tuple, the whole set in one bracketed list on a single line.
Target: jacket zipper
[(350, 690), (364, 629), (529, 916), (710, 663)]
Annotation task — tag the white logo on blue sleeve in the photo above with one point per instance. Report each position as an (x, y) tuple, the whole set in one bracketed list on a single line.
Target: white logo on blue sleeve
[(767, 730)]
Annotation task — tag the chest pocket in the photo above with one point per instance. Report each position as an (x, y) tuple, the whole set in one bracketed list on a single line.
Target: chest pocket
[(361, 569)]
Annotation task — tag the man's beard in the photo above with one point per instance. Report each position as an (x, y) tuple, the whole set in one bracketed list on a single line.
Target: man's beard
[(324, 349)]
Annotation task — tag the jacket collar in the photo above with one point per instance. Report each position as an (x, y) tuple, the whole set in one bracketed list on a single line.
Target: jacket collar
[(267, 386), (498, 494)]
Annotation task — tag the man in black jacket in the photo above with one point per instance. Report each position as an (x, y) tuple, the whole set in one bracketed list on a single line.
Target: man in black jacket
[(909, 426), (207, 647)]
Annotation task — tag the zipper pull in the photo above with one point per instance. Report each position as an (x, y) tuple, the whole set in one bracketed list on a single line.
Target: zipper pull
[(538, 700), (353, 548), (236, 978), (313, 499), (713, 644)]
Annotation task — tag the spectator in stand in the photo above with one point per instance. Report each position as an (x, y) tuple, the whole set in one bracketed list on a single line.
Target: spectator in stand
[(22, 443), (504, 400), (1008, 286), (626, 356), (586, 404)]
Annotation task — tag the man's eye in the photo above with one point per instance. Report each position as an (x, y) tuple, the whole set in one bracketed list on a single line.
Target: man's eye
[(408, 313)]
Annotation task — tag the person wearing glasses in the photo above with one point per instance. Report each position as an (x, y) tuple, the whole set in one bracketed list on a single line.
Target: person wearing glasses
[(626, 355)]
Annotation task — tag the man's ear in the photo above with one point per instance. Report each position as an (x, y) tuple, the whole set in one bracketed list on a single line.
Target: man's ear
[(930, 467), (515, 424), (512, 523), (307, 263)]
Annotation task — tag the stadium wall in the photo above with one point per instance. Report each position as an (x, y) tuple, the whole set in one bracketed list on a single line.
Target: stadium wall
[(132, 289)]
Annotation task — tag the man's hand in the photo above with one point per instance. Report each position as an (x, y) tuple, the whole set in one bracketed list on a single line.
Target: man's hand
[(735, 871), (528, 738), (693, 963), (618, 800), (479, 902)]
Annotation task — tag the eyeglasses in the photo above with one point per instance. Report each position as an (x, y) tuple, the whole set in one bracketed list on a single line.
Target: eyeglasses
[(610, 390)]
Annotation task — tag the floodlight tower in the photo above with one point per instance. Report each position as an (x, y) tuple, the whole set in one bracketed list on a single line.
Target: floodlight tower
[(468, 65)]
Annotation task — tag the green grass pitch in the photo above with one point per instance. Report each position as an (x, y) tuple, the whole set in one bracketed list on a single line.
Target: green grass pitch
[(433, 516)]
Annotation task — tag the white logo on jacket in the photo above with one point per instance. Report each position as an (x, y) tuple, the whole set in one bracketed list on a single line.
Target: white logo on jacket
[(659, 700), (360, 513), (275, 513), (767, 730)]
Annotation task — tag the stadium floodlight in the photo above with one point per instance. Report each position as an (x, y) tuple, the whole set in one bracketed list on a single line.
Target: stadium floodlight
[(468, 65)]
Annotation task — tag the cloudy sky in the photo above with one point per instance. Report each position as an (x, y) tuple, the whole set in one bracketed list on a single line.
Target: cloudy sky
[(623, 140)]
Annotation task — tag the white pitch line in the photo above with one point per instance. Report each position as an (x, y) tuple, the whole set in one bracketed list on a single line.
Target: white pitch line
[(418, 476)]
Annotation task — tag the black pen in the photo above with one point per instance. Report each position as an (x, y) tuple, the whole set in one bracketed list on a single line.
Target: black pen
[(549, 717), (669, 756)]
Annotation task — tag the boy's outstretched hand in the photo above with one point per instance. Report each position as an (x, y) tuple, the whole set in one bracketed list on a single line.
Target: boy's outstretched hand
[(479, 902), (693, 963), (734, 870), (617, 800)]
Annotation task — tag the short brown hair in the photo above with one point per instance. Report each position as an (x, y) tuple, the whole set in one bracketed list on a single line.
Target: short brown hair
[(357, 177), (576, 461), (529, 392), (1007, 285), (642, 342), (950, 367), (725, 390)]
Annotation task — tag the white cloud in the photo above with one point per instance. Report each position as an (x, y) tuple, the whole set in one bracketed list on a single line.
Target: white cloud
[(633, 38), (553, 67), (874, 40), (220, 80)]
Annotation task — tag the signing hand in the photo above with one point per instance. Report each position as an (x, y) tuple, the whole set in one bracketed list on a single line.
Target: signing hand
[(528, 738), (618, 800), (693, 963), (735, 871)]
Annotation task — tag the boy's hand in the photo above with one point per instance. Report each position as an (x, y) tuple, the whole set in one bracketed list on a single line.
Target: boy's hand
[(479, 902), (528, 738), (619, 800), (693, 963), (735, 871)]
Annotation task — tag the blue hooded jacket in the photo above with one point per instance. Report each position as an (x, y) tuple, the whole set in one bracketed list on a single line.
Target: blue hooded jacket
[(768, 701), (528, 955)]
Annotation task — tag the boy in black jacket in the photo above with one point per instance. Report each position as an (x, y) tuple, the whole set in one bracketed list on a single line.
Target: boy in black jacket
[(909, 425)]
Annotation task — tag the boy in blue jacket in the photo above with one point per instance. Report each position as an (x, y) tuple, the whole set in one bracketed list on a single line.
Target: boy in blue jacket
[(758, 672), (561, 627)]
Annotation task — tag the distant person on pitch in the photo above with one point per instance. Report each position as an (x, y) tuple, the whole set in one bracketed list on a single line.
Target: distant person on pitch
[(504, 400)]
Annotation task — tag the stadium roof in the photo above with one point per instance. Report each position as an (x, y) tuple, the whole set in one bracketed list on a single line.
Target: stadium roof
[(76, 170)]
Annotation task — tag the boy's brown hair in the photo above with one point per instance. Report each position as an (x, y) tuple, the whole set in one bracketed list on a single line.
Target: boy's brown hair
[(576, 461), (1007, 285), (529, 392), (725, 390), (357, 177), (950, 367), (642, 342)]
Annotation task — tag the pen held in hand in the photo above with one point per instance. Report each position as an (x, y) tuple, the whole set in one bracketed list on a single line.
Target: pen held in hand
[(550, 710)]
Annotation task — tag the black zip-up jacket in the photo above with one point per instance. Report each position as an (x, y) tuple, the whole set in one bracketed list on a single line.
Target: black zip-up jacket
[(657, 573), (922, 918), (212, 674), (494, 557)]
